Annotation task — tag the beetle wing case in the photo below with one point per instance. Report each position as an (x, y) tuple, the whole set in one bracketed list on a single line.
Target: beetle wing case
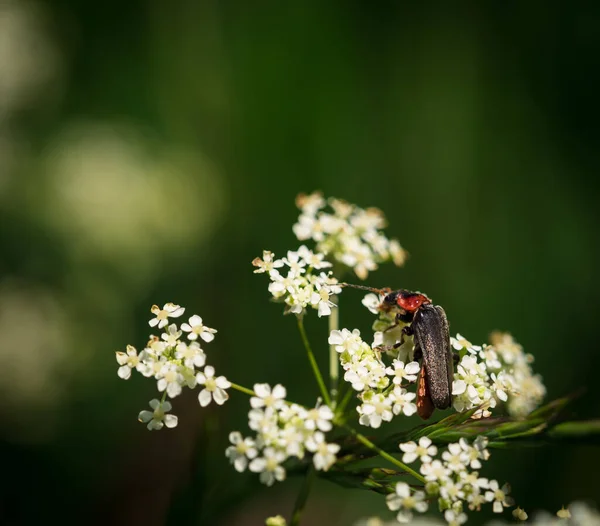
[(432, 335)]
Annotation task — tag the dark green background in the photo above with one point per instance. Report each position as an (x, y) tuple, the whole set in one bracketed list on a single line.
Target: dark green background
[(475, 129)]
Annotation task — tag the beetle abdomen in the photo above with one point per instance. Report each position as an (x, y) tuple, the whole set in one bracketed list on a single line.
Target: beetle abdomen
[(432, 335)]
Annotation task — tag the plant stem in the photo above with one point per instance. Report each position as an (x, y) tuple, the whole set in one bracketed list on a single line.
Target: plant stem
[(342, 406), (365, 441), (243, 389), (313, 362), (302, 496), (334, 324)]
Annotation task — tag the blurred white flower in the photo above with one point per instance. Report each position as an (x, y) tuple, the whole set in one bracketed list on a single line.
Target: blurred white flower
[(242, 450), (196, 328), (214, 388), (170, 310), (269, 466), (406, 501), (157, 418), (324, 454)]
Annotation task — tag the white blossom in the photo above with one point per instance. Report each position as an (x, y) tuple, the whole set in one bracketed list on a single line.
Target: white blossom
[(196, 328), (157, 418), (127, 360), (347, 234), (405, 501), (401, 372), (242, 450), (372, 302), (269, 466), (267, 263), (265, 397), (324, 454), (401, 401), (171, 336), (376, 409), (424, 451), (214, 388), (169, 310), (319, 418), (499, 496), (170, 379)]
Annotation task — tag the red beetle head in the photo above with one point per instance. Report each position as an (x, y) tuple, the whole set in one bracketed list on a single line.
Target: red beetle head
[(406, 300)]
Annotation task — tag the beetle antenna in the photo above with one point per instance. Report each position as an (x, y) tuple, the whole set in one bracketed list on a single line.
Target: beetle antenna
[(362, 287)]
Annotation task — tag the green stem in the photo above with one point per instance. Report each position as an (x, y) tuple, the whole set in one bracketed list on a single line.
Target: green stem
[(313, 362), (302, 496), (243, 389), (342, 406), (366, 442), (334, 361)]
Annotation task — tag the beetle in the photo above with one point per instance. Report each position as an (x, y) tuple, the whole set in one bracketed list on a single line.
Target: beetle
[(428, 325)]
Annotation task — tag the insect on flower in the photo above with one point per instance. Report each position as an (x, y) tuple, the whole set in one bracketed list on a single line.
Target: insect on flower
[(428, 324)]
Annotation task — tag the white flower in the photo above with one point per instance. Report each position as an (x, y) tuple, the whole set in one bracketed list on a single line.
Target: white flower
[(372, 302), (378, 408), (262, 421), (563, 513), (406, 502), (400, 371), (345, 341), (267, 263), (424, 451), (454, 518), (435, 471), (455, 458), (316, 261), (499, 496), (196, 328), (241, 450), (169, 310), (473, 454), (291, 440), (295, 262), (170, 379), (277, 520), (171, 337), (307, 227), (319, 418), (214, 388), (397, 252), (452, 491), (349, 235), (191, 355), (460, 343), (157, 418), (265, 397), (311, 203), (324, 453), (127, 361), (269, 466), (402, 401), (320, 300), (520, 514)]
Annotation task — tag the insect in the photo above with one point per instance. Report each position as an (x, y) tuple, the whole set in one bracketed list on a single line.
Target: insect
[(428, 325)]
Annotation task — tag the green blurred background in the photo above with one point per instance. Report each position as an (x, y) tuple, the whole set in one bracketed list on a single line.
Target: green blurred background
[(150, 150)]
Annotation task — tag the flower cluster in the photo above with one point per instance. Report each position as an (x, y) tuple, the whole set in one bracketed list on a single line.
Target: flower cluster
[(347, 234), (490, 374), (283, 430), (485, 375), (382, 389), (576, 514), (174, 363), (299, 286), (449, 479)]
